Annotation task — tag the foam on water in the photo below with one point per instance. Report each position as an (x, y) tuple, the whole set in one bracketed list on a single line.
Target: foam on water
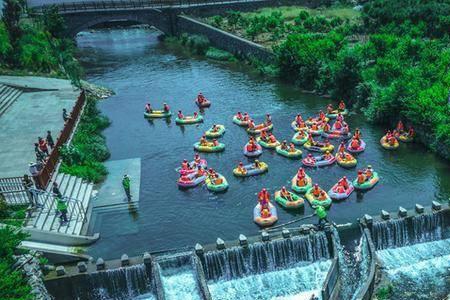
[(420, 271), (180, 283), (295, 283)]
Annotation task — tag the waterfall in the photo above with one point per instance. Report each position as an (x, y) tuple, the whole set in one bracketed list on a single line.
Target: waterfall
[(264, 256), (121, 283), (427, 227), (407, 231)]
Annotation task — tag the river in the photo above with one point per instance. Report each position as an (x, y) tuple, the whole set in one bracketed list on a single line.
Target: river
[(141, 69)]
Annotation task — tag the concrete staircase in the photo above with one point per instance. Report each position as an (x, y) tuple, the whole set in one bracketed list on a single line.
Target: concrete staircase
[(7, 97), (78, 195)]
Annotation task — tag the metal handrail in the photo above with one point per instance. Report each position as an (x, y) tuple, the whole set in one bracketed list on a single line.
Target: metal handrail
[(122, 4)]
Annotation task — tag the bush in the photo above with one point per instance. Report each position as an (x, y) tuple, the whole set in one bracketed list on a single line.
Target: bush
[(198, 43), (217, 54), (88, 149)]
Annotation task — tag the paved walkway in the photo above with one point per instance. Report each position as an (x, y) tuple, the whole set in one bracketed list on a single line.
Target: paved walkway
[(30, 116)]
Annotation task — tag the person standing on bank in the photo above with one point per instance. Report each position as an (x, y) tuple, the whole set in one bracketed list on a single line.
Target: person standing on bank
[(49, 140), (65, 115), (126, 182), (321, 214)]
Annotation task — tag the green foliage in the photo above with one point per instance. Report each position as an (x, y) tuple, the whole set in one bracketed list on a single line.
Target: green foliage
[(384, 293), (5, 45), (53, 22), (88, 149), (198, 43), (12, 9), (217, 54), (217, 21), (12, 284)]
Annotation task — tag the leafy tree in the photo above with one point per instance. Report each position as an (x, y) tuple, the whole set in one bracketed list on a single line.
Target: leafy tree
[(12, 10), (53, 22), (5, 45)]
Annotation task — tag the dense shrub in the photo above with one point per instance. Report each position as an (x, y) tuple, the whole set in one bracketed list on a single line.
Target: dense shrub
[(217, 54), (88, 149)]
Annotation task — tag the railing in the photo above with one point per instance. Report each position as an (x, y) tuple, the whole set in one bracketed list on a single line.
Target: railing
[(331, 280), (13, 191), (132, 4), (43, 177), (47, 204)]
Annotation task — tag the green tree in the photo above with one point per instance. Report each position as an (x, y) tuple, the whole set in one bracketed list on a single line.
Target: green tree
[(53, 22), (12, 9), (5, 45)]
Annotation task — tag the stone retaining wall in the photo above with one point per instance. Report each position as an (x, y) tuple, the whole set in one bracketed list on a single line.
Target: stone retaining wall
[(224, 40)]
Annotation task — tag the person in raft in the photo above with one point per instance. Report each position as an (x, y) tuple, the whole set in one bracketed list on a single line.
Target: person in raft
[(180, 115), (251, 124), (338, 124), (368, 172), (264, 198), (195, 115), (212, 173), (292, 148), (311, 158), (316, 191), (251, 145), (411, 132), (361, 178), (344, 182), (298, 119), (203, 140), (215, 142), (200, 98), (311, 140), (148, 108), (392, 140), (340, 117), (272, 138), (355, 143), (264, 136), (322, 116), (400, 128), (357, 134), (326, 127), (268, 119), (257, 164), (285, 194), (246, 117), (301, 177), (200, 172), (284, 145), (239, 115), (301, 173), (185, 165), (327, 155), (166, 107), (197, 159), (330, 108), (241, 168), (341, 105), (341, 148), (215, 128)]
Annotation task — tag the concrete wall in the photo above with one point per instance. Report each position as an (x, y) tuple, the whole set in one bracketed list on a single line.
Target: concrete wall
[(223, 40)]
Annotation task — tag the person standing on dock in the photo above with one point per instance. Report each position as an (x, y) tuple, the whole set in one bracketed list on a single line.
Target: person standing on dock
[(321, 214), (126, 182), (61, 206)]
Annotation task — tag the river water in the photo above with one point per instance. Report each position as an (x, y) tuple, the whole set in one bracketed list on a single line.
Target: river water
[(141, 69)]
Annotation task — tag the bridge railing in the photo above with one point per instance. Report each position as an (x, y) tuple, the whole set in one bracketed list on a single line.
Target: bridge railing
[(69, 7)]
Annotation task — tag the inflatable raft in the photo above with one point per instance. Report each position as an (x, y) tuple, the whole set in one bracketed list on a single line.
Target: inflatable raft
[(240, 122), (319, 147), (334, 113), (209, 147), (319, 161), (311, 121), (405, 138), (295, 126), (158, 114), (289, 154), (316, 202), (315, 131), (204, 104), (192, 181), (213, 187), (299, 138), (189, 120), (203, 164), (340, 196), (336, 134), (255, 153), (295, 201), (215, 134), (301, 189), (267, 145), (361, 148), (258, 128), (388, 146), (348, 162), (368, 184), (251, 170), (263, 222)]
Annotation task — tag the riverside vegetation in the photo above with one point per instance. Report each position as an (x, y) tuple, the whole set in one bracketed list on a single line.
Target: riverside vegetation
[(391, 59)]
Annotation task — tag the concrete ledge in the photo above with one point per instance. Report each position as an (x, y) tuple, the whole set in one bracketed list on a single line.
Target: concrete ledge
[(57, 238)]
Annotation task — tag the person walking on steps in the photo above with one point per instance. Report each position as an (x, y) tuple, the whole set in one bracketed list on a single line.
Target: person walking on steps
[(61, 206), (321, 214), (56, 191), (126, 181), (29, 185)]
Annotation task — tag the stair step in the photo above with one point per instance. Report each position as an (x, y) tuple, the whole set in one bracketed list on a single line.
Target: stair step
[(6, 102)]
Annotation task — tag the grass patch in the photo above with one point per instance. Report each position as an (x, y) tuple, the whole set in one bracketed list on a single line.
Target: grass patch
[(84, 156), (221, 55), (12, 215)]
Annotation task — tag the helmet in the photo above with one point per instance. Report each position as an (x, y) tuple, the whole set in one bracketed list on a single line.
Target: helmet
[(359, 172), (184, 160), (264, 190), (345, 177), (240, 163), (316, 185), (327, 152), (256, 161), (369, 167)]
